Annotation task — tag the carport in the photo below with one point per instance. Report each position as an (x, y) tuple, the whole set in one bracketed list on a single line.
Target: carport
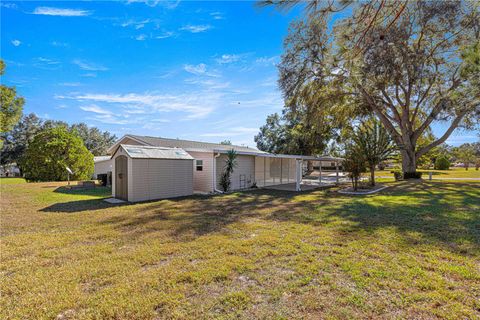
[(286, 172)]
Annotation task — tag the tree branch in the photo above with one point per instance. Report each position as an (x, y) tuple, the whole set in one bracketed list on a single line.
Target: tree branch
[(443, 138)]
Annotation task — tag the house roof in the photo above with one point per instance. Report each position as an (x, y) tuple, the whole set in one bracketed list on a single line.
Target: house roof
[(148, 152), (101, 158), (189, 145)]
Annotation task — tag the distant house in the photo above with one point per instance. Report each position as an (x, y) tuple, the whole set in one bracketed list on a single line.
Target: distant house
[(254, 167), (103, 165), (9, 170)]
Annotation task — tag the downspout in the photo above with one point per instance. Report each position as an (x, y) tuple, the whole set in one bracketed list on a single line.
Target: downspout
[(215, 173)]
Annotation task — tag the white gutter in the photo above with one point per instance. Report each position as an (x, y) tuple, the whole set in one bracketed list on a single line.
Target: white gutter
[(215, 156)]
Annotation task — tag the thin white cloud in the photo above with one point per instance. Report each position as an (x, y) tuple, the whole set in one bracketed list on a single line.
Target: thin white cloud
[(166, 34), (199, 70), (136, 24), (50, 11), (154, 3), (95, 109), (229, 58), (196, 28), (16, 42), (217, 15), (8, 5), (209, 83), (47, 61), (70, 84), (84, 65), (267, 61), (141, 37), (271, 99), (195, 104), (89, 75), (196, 69), (59, 44)]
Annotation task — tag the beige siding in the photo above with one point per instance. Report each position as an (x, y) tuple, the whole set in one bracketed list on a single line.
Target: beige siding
[(245, 167), (203, 180), (160, 178), (102, 167)]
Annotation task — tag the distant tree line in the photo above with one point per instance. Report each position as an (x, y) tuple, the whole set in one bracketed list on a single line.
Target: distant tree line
[(17, 141)]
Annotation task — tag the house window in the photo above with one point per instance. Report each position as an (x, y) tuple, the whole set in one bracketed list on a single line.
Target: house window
[(199, 165)]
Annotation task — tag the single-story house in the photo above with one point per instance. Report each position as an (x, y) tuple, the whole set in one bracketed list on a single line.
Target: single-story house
[(254, 167), (103, 165), (10, 170)]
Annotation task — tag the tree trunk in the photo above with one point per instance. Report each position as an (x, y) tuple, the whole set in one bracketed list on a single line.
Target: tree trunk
[(372, 175), (409, 163)]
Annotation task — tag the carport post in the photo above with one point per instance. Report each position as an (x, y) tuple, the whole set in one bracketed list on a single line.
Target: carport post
[(320, 172), (336, 170), (298, 175)]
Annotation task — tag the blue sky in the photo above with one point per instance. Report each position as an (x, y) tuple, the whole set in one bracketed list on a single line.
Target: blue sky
[(189, 70)]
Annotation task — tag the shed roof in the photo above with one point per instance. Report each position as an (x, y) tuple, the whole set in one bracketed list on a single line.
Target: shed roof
[(148, 152)]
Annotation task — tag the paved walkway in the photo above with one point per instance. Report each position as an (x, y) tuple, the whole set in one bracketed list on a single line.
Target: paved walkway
[(303, 186), (436, 178)]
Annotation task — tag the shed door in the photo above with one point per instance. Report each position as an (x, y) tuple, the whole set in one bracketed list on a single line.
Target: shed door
[(121, 178)]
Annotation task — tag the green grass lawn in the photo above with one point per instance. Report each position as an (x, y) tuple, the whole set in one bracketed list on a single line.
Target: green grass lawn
[(411, 251), (444, 174)]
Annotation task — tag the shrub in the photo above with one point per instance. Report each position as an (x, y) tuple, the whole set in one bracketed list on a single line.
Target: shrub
[(442, 163), (51, 151), (412, 175), (397, 174), (230, 164), (354, 164)]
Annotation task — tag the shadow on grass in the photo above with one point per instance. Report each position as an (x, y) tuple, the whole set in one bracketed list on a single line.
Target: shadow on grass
[(81, 205), (78, 206), (421, 211), (97, 191), (199, 215), (444, 213)]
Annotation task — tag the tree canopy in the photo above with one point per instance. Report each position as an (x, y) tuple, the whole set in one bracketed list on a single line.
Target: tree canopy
[(411, 64), (11, 105), (17, 140), (295, 132), (54, 149)]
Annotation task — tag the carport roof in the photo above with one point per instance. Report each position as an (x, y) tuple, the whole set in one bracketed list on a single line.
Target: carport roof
[(285, 156), (147, 152)]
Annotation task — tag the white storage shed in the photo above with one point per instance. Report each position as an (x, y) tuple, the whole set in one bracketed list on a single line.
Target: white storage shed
[(147, 173)]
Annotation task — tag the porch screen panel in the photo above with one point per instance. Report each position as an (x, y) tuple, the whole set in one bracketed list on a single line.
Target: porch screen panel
[(260, 171), (268, 174), (275, 170), (285, 170), (292, 168)]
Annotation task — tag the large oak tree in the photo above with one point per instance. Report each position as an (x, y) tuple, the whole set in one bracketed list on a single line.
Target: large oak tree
[(411, 64)]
